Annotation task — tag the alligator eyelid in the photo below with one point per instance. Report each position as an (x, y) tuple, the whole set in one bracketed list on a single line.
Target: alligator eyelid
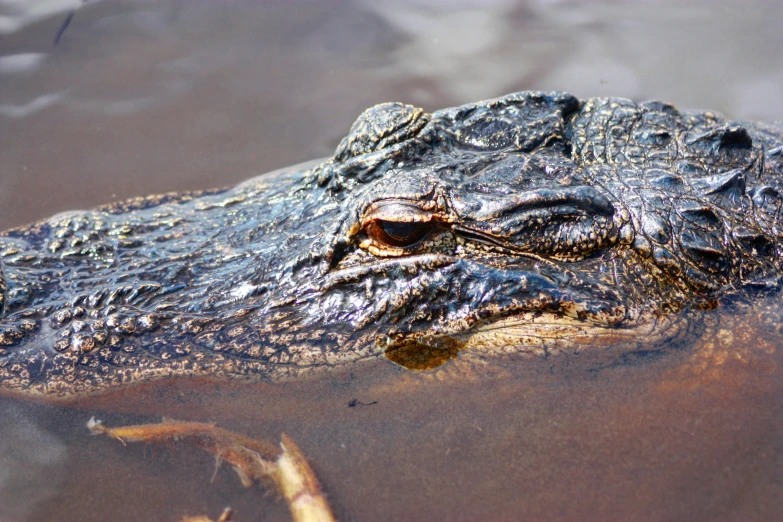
[(395, 211)]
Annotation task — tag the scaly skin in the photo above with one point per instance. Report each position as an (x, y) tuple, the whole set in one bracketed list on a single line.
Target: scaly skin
[(533, 223)]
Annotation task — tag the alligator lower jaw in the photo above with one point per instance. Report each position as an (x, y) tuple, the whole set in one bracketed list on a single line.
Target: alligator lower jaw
[(534, 334)]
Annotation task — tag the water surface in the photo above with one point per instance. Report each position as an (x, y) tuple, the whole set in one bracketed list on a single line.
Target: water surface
[(139, 97)]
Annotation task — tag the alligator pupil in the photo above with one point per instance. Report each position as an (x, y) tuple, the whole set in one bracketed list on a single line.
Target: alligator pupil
[(402, 234)]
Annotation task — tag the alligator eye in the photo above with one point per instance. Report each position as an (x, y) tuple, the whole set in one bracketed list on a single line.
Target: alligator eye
[(399, 234)]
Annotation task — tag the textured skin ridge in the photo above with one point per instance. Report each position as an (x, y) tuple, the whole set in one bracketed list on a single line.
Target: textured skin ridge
[(604, 214)]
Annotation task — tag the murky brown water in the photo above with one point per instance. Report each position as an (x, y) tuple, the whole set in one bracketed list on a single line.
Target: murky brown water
[(141, 97)]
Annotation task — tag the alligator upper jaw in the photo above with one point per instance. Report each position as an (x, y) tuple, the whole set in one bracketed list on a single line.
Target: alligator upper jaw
[(436, 295)]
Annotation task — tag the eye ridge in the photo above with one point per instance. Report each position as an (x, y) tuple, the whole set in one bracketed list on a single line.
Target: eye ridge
[(400, 233)]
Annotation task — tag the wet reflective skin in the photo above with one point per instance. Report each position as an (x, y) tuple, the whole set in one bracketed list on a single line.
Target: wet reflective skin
[(534, 223)]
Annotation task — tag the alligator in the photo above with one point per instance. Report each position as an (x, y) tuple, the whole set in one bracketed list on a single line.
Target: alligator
[(535, 224)]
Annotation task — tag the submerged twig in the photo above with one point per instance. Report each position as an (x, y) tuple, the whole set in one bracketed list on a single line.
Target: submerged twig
[(254, 461), (67, 22), (64, 26)]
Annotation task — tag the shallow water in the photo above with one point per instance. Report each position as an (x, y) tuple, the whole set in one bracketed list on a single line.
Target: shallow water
[(139, 97), (694, 434)]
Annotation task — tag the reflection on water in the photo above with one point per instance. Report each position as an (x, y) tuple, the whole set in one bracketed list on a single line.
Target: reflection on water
[(140, 97)]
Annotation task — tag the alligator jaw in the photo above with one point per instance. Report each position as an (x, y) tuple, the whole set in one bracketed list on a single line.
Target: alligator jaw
[(536, 334)]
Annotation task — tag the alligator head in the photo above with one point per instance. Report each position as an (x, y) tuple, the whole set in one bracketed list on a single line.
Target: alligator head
[(533, 223)]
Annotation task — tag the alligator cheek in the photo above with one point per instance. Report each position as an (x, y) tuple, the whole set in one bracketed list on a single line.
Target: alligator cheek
[(427, 321)]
